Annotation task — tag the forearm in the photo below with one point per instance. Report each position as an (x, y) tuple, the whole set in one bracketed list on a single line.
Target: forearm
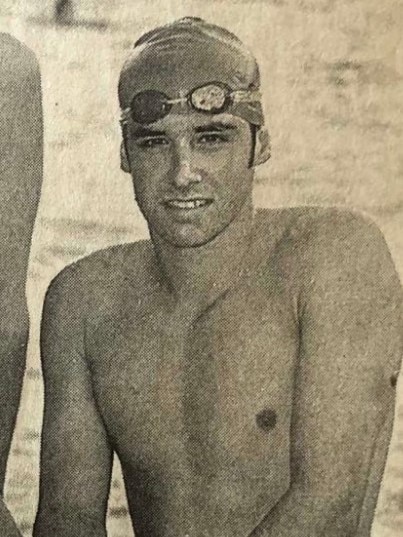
[(12, 366), (8, 527), (301, 513), (68, 523)]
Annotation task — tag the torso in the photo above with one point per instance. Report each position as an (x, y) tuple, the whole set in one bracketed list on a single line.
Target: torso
[(199, 409)]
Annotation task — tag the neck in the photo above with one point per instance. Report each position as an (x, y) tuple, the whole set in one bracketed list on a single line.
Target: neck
[(201, 274)]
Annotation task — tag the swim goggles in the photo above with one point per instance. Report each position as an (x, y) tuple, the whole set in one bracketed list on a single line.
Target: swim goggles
[(212, 98)]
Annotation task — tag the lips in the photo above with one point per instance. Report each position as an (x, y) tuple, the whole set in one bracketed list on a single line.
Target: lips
[(187, 204)]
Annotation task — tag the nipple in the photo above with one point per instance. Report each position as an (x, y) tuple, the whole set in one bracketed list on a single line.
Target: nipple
[(266, 419)]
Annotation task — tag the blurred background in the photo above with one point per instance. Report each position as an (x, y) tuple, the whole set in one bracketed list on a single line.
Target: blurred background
[(333, 85)]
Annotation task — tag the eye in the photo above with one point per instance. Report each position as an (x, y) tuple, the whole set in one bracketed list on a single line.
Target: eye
[(152, 142), (212, 138)]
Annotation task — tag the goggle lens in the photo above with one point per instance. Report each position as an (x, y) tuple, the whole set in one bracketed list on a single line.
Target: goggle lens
[(210, 98), (149, 106)]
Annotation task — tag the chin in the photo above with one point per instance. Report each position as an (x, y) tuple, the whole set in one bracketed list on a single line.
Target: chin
[(188, 241), (189, 238)]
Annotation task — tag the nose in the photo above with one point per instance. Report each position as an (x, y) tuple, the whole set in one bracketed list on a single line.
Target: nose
[(184, 173)]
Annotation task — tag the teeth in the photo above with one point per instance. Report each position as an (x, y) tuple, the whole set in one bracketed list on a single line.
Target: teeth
[(187, 204)]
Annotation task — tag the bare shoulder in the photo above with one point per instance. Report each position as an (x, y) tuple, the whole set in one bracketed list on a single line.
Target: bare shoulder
[(326, 227), (105, 276), (16, 50), (331, 230), (340, 272), (347, 287), (316, 242)]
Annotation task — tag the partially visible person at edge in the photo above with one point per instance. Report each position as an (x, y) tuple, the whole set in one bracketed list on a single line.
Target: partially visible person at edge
[(20, 183), (241, 363)]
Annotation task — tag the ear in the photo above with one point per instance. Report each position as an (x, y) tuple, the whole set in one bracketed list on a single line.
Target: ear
[(124, 161), (262, 147)]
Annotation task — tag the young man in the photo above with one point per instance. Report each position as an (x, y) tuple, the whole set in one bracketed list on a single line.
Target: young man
[(21, 151), (240, 363)]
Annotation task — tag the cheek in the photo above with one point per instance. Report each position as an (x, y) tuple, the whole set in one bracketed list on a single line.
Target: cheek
[(148, 173), (151, 162), (230, 170), (145, 188), (233, 157)]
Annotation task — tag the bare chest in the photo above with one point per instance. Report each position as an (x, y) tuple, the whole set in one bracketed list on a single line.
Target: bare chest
[(222, 381)]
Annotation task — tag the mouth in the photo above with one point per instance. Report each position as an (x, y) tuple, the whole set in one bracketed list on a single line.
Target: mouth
[(187, 204)]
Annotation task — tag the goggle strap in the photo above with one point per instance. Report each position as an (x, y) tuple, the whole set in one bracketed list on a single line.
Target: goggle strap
[(125, 115), (180, 100), (240, 96)]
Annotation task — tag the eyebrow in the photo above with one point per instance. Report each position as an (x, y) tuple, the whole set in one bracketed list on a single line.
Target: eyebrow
[(144, 132), (215, 126)]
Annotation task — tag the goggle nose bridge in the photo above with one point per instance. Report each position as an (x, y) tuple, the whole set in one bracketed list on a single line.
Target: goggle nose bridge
[(179, 100)]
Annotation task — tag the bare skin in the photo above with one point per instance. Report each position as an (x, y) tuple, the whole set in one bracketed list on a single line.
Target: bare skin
[(20, 183), (8, 527), (240, 367)]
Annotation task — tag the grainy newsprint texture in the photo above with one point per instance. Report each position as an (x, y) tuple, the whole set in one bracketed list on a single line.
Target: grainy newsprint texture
[(332, 83)]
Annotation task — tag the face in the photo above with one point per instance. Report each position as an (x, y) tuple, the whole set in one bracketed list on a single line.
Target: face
[(191, 174)]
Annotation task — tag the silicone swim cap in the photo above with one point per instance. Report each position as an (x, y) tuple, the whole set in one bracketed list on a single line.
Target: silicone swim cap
[(186, 54)]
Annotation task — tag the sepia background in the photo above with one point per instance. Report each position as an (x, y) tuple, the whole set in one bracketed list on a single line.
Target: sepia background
[(333, 86)]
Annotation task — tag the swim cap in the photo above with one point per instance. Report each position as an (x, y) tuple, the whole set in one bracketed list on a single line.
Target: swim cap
[(186, 54)]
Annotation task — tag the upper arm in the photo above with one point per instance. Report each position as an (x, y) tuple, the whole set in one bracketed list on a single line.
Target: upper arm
[(20, 183), (351, 345), (75, 456)]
